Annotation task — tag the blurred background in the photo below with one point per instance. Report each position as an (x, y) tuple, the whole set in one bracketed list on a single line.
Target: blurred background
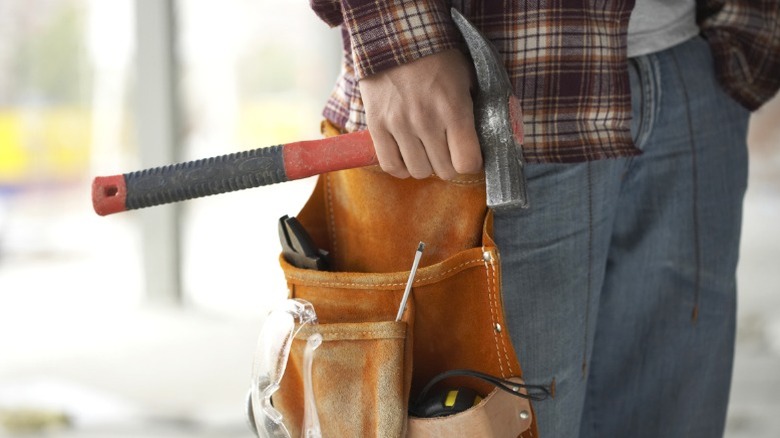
[(144, 324)]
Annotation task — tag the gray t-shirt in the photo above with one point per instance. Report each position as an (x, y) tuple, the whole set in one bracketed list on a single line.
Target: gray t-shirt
[(656, 25)]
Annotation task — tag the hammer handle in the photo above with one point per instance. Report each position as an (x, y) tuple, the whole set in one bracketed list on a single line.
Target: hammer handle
[(227, 173)]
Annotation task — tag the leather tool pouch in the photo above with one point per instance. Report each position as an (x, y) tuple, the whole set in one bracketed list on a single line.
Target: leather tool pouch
[(369, 366)]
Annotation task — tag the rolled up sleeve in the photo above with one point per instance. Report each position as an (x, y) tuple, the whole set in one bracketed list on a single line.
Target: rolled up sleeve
[(385, 34)]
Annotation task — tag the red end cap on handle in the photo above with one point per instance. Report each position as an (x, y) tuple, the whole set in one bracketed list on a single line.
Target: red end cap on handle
[(109, 194)]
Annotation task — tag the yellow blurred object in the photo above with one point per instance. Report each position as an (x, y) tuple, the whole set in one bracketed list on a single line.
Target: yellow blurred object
[(32, 420), (51, 144), (13, 157)]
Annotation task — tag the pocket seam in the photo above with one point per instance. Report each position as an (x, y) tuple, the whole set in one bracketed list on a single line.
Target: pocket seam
[(309, 282)]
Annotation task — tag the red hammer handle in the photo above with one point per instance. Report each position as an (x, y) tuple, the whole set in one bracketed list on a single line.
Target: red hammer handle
[(348, 151), (227, 173)]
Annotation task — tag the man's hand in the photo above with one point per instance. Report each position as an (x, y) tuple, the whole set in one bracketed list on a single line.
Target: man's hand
[(421, 117)]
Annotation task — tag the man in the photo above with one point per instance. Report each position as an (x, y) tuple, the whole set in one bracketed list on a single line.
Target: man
[(619, 281)]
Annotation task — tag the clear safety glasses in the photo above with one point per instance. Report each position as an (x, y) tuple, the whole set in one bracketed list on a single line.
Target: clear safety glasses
[(270, 362)]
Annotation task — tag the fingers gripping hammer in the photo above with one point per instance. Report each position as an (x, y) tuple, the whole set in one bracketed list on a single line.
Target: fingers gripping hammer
[(499, 129)]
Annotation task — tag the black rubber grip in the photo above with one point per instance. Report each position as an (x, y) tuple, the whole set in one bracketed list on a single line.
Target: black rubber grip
[(209, 176)]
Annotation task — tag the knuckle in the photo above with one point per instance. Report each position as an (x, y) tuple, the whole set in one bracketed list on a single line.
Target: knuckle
[(395, 119), (459, 110), (447, 174), (444, 169), (468, 165), (398, 170), (421, 117), (420, 172)]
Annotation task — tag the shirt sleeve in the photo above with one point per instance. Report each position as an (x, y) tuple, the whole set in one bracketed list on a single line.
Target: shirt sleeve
[(387, 33), (329, 11), (745, 40)]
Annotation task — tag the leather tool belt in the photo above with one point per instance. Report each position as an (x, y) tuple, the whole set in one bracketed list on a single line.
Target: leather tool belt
[(369, 366)]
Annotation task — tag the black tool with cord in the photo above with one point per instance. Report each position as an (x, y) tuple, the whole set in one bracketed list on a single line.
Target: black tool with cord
[(432, 403)]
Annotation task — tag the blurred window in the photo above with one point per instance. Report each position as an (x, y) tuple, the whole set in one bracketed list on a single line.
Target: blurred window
[(254, 74)]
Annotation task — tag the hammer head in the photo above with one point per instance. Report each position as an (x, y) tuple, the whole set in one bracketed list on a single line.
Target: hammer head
[(498, 121)]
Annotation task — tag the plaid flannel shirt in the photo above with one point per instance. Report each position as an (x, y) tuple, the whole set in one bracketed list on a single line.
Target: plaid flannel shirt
[(566, 60)]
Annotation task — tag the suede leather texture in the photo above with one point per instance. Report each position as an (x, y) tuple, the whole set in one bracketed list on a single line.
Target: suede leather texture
[(497, 415), (369, 366), (357, 380), (372, 222)]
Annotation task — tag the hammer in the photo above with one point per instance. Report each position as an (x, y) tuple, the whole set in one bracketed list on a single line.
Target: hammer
[(499, 130)]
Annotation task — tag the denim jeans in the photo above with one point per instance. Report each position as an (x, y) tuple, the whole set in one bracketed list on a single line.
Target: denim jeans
[(619, 280)]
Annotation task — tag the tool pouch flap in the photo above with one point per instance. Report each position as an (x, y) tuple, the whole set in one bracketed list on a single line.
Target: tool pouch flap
[(371, 224)]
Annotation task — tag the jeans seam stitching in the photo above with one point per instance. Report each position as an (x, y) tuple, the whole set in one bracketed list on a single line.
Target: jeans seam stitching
[(590, 270), (695, 194)]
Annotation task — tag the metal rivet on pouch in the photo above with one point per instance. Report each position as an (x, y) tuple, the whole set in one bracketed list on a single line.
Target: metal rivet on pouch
[(498, 327), (524, 415), (487, 256)]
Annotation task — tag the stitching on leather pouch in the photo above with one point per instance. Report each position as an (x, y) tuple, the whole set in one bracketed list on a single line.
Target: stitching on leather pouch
[(388, 334), (493, 315), (325, 283), (471, 181), (503, 334), (459, 182)]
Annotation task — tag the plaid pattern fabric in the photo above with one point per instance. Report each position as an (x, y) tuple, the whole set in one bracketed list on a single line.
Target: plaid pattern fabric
[(567, 65), (397, 32), (566, 60), (745, 41)]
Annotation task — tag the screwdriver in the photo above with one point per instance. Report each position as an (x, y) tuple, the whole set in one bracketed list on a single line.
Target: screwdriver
[(409, 282)]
